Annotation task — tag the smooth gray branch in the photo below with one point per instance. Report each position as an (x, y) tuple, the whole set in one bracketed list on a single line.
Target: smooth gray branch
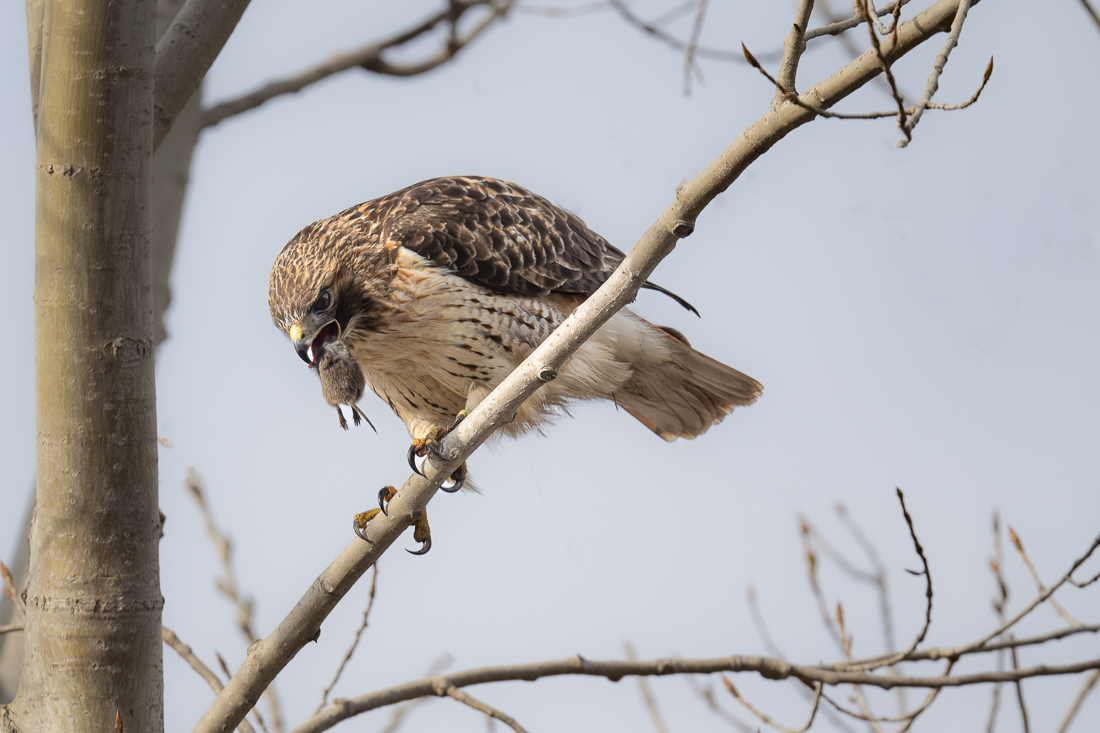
[(938, 65), (835, 29), (185, 53)]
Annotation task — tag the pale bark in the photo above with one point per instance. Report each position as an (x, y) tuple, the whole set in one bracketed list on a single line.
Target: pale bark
[(185, 53), (93, 594)]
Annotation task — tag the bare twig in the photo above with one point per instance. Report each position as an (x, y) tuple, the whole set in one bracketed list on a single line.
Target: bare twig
[(205, 672), (1020, 694), (647, 694), (761, 627), (1035, 576), (12, 594), (902, 115), (655, 31), (1090, 683), (938, 65), (8, 628), (354, 643), (399, 715), (835, 29), (457, 694), (369, 57), (693, 42), (793, 47), (1000, 603), (563, 11), (270, 655), (813, 710), (707, 694), (906, 718), (228, 585)]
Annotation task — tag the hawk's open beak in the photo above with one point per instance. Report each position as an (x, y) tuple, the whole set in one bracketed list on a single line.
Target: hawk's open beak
[(300, 344), (305, 347)]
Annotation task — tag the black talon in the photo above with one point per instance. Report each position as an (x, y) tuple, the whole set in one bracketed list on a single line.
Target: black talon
[(382, 499), (412, 460), (427, 545), (360, 532), (456, 487)]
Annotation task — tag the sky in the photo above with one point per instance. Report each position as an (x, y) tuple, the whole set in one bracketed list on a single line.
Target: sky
[(923, 318)]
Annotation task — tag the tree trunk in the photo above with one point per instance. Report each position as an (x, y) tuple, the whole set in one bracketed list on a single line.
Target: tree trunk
[(93, 594)]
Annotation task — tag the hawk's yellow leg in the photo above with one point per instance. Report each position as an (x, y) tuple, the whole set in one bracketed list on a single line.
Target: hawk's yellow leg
[(422, 533)]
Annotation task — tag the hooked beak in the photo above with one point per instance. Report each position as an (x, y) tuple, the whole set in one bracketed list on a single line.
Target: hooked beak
[(300, 344), (308, 348)]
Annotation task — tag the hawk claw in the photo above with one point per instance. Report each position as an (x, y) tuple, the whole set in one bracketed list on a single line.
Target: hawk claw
[(384, 495), (459, 478), (427, 545), (359, 524), (413, 449)]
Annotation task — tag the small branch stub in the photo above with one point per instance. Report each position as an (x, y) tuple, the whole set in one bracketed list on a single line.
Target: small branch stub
[(548, 374)]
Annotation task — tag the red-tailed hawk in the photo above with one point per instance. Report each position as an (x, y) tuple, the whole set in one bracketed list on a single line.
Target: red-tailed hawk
[(439, 290)]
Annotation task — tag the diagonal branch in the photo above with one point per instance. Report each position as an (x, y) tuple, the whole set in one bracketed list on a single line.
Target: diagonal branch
[(185, 53), (197, 664), (370, 58), (453, 692), (267, 657), (938, 65)]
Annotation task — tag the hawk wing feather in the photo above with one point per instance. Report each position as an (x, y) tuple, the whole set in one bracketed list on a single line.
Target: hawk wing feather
[(501, 236)]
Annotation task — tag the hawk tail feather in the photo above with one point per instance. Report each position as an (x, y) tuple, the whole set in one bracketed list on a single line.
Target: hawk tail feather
[(681, 397)]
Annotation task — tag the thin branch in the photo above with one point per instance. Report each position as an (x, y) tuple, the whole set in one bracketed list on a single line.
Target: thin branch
[(813, 710), (369, 58), (185, 53), (8, 628), (1038, 582), (693, 42), (268, 657), (563, 11), (205, 672), (1020, 694), (647, 694), (906, 718), (938, 65), (793, 47), (655, 31), (835, 29), (228, 585), (12, 594), (457, 694), (354, 642), (1090, 683), (614, 670), (902, 116), (402, 712), (707, 694), (1000, 603)]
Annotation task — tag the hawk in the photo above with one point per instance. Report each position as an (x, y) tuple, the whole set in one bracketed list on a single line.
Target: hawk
[(441, 289)]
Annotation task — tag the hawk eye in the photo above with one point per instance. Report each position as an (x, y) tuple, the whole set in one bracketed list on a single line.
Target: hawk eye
[(323, 301)]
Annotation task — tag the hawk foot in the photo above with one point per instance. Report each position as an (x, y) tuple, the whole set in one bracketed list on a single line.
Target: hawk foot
[(362, 519), (430, 444)]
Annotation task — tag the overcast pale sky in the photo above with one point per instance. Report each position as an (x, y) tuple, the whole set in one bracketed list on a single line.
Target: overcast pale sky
[(922, 317)]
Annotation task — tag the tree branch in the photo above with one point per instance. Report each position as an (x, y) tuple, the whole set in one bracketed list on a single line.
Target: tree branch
[(196, 664), (368, 57), (268, 656), (614, 670), (454, 693), (185, 53)]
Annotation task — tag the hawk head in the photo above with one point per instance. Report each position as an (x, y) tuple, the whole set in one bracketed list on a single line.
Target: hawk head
[(327, 283)]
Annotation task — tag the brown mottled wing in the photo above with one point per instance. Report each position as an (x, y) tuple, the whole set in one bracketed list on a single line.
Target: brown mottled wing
[(498, 235)]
